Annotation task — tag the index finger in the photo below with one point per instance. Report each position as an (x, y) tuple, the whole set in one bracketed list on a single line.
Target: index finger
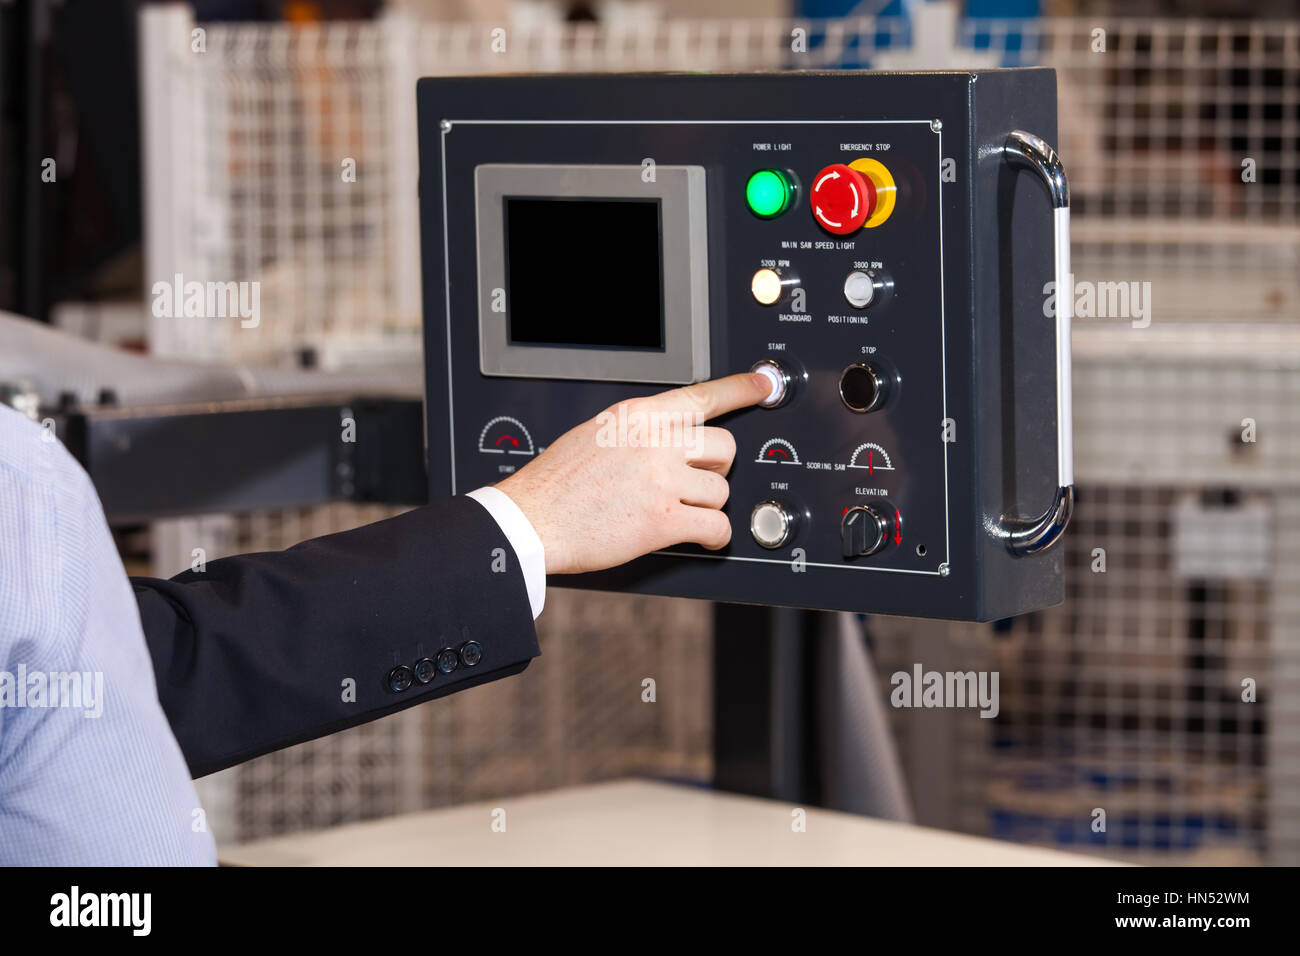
[(722, 395)]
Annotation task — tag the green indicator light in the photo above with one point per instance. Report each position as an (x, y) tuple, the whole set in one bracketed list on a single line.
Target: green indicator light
[(768, 193)]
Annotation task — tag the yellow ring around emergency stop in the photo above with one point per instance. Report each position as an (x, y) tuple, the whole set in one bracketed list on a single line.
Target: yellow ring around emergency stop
[(886, 189)]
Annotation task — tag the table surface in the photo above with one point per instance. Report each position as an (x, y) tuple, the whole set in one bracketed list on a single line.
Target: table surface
[(636, 822)]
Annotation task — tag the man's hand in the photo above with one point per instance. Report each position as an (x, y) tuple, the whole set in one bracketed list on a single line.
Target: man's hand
[(640, 476)]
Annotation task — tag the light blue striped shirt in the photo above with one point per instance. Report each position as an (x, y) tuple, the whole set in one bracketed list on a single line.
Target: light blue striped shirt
[(90, 773)]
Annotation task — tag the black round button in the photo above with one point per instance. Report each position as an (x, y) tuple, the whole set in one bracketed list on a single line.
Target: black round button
[(448, 660), (399, 678), (864, 387), (471, 652), (425, 670)]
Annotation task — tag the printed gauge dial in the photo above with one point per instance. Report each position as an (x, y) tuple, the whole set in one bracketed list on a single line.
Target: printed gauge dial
[(504, 435), (777, 451), (871, 457)]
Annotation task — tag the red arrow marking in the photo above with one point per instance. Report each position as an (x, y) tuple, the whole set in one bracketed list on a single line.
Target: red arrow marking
[(514, 441), (777, 451), (871, 466), (898, 527)]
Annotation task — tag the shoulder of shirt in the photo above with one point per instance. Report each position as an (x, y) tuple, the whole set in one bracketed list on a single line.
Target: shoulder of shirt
[(37, 459), (46, 499)]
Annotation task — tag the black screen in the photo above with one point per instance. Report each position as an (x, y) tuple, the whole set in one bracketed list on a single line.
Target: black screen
[(584, 272)]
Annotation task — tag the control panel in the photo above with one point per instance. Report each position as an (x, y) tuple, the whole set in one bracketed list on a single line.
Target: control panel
[(876, 245)]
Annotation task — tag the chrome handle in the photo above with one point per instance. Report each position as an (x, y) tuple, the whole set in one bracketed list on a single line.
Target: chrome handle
[(1030, 535)]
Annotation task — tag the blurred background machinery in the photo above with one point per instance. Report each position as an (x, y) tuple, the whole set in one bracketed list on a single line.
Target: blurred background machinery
[(1182, 138)]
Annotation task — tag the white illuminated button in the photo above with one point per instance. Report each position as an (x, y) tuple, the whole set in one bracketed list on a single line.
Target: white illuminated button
[(766, 286), (780, 380), (859, 289), (770, 524)]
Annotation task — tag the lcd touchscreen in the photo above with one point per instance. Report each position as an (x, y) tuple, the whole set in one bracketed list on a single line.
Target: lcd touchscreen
[(584, 272)]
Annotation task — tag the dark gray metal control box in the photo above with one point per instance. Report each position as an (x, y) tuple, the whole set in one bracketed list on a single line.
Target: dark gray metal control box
[(883, 241)]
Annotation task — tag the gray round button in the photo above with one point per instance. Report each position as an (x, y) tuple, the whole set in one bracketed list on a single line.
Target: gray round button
[(771, 524), (859, 289)]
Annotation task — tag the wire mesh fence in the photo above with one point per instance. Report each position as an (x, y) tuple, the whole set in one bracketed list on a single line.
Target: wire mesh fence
[(1182, 140), (291, 149)]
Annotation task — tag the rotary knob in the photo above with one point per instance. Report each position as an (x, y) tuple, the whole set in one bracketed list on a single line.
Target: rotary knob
[(771, 524), (863, 530)]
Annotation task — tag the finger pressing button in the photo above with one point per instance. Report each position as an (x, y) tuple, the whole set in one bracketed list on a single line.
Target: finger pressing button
[(778, 379)]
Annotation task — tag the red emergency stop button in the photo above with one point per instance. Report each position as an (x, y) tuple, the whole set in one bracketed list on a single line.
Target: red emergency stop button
[(842, 199)]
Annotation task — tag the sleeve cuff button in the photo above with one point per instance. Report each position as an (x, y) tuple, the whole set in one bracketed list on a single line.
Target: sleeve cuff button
[(447, 660), (471, 652), (399, 678)]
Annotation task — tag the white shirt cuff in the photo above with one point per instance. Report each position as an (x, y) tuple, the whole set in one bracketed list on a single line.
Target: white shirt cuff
[(521, 534)]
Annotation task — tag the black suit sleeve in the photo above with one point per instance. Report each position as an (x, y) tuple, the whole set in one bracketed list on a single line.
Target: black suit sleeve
[(258, 652)]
